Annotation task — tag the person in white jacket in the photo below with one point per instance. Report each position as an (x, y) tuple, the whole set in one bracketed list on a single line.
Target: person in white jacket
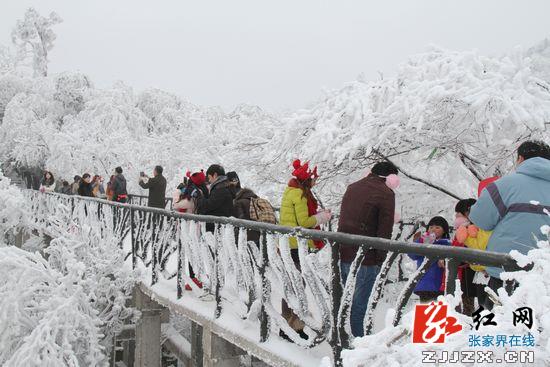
[(48, 182)]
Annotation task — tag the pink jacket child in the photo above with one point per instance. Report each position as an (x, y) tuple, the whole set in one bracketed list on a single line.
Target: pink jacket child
[(185, 196)]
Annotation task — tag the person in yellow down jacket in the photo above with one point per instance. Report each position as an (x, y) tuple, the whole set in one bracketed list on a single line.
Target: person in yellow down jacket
[(475, 238), (299, 208)]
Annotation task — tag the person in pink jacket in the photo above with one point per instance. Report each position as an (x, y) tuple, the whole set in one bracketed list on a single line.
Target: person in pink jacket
[(189, 191), (185, 199)]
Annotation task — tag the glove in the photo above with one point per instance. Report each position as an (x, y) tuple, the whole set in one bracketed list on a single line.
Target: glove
[(461, 234), (472, 231), (323, 217), (428, 238)]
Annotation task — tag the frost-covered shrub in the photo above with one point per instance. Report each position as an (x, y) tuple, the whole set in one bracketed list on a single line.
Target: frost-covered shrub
[(66, 309), (45, 315), (96, 263)]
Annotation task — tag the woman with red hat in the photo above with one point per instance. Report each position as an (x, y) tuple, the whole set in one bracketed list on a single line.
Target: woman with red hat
[(185, 199), (187, 192), (299, 208)]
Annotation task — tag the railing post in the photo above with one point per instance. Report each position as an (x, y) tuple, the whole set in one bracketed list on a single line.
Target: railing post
[(452, 271), (336, 299), (133, 237), (154, 249), (378, 291), (265, 289), (409, 288), (217, 286), (180, 268), (218, 352), (148, 331)]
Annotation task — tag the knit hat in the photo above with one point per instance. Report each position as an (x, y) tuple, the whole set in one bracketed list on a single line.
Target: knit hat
[(198, 178), (302, 171), (441, 222)]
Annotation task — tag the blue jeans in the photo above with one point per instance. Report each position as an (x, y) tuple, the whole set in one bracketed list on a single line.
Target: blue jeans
[(363, 287)]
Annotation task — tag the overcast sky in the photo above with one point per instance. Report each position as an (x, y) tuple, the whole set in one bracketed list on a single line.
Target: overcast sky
[(278, 54)]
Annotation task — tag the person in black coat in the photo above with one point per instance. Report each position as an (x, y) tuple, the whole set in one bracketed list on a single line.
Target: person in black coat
[(66, 188), (85, 187), (156, 186), (119, 186), (219, 201)]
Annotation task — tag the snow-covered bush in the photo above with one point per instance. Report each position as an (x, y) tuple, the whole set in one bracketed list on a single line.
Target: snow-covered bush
[(46, 317), (66, 309)]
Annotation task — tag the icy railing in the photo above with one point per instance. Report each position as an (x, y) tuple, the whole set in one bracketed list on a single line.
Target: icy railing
[(141, 200), (251, 277)]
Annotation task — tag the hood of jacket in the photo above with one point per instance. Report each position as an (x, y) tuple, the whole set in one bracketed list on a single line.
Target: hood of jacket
[(218, 181), (245, 194), (535, 167)]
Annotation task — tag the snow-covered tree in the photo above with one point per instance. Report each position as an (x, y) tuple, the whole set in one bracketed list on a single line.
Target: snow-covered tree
[(10, 85), (72, 89), (12, 206), (7, 60), (33, 34), (448, 119), (29, 124)]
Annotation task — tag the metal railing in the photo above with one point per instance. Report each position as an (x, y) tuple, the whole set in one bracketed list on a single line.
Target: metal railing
[(252, 276), (141, 200)]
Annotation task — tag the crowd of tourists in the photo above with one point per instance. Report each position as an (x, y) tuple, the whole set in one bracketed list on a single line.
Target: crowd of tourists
[(88, 185), (507, 215)]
